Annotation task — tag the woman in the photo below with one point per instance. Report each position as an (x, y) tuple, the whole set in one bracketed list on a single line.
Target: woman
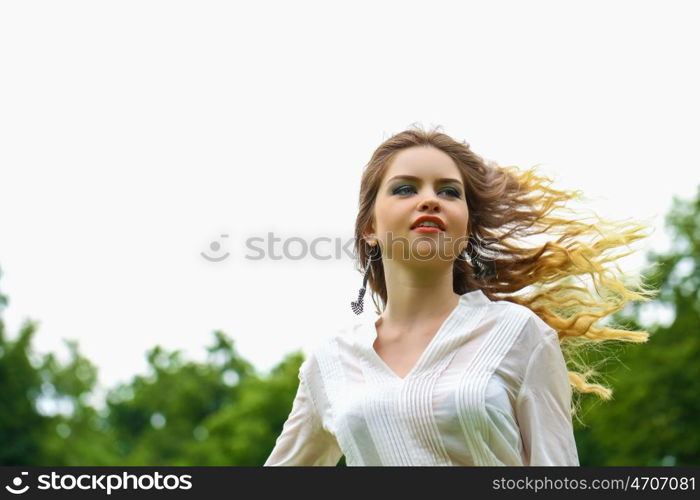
[(457, 369)]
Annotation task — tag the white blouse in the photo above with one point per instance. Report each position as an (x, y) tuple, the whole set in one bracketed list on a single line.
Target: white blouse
[(491, 388)]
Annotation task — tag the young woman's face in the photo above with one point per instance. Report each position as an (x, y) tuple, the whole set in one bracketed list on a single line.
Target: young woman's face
[(401, 201)]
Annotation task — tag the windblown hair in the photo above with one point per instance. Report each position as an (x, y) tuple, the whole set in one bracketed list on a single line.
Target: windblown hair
[(506, 206)]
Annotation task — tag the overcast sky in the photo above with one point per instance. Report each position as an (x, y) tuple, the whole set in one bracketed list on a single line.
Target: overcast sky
[(135, 134)]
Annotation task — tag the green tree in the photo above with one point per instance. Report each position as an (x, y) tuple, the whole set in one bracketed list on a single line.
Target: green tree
[(219, 412), (29, 385), (654, 416), (187, 413), (22, 428)]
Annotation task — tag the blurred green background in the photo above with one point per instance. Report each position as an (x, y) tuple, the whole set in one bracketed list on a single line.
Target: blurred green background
[(223, 412)]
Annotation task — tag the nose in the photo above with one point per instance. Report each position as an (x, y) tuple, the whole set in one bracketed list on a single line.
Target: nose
[(429, 203)]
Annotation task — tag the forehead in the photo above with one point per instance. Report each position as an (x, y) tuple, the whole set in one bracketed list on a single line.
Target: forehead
[(424, 162)]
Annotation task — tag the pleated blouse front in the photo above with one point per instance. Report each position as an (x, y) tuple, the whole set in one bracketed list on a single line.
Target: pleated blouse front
[(491, 388)]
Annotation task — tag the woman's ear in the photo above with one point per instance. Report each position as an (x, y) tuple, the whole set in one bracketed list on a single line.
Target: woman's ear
[(368, 234)]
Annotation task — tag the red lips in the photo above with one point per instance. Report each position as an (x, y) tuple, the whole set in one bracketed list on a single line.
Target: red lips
[(432, 218)]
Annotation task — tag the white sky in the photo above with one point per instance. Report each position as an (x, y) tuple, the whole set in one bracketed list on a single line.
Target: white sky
[(135, 133)]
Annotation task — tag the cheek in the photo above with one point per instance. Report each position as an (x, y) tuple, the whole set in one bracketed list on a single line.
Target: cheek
[(461, 228), (461, 219), (388, 215)]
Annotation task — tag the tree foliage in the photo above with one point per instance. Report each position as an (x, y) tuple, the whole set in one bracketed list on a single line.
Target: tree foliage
[(654, 416)]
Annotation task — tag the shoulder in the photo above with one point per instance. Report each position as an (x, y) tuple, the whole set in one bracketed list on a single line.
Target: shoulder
[(330, 338), (323, 350), (533, 330)]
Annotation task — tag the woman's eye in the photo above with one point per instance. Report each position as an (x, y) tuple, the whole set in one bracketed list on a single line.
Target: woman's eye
[(402, 190)]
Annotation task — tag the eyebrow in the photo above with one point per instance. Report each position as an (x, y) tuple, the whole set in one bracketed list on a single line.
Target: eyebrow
[(413, 178)]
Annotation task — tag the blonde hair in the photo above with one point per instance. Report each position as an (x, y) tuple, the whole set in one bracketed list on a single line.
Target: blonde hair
[(506, 205)]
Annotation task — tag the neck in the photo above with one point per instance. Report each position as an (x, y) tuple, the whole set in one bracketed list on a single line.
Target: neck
[(418, 294)]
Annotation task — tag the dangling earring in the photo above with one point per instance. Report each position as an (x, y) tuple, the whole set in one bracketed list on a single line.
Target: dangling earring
[(476, 264), (482, 269), (357, 306)]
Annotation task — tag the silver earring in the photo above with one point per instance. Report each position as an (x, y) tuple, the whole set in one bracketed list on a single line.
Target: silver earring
[(483, 269), (357, 305)]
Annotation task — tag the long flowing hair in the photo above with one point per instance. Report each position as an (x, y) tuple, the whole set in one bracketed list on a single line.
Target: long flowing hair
[(509, 207)]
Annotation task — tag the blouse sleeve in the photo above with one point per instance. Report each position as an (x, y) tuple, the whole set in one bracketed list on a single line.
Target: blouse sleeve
[(304, 441), (543, 407)]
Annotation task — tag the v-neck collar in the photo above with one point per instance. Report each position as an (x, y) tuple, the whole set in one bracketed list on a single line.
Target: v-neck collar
[(368, 334)]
